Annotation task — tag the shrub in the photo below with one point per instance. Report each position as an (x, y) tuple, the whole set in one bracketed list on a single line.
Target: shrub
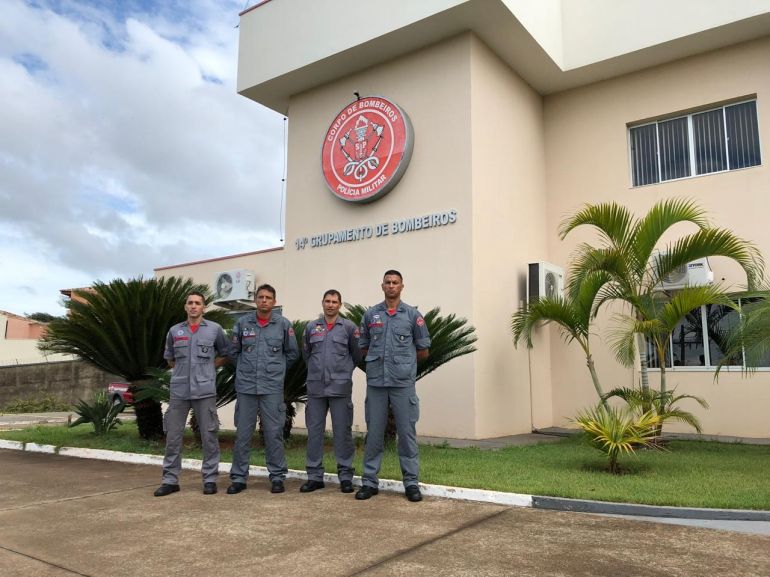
[(618, 430), (33, 404), (100, 412)]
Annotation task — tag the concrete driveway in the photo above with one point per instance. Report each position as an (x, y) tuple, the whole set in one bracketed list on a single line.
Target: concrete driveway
[(63, 516)]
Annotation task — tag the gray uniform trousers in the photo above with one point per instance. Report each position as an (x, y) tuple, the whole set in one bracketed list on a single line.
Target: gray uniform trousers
[(272, 412), (406, 410), (341, 409), (174, 422)]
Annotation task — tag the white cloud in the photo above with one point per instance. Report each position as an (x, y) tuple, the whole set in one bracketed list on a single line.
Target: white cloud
[(122, 136)]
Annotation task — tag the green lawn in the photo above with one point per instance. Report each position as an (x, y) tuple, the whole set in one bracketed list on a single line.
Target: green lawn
[(691, 473)]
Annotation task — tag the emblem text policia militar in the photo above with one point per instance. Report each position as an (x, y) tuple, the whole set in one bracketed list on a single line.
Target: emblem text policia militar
[(366, 149)]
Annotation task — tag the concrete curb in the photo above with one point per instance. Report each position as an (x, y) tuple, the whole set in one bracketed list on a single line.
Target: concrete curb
[(609, 508), (35, 448), (15, 445), (459, 493)]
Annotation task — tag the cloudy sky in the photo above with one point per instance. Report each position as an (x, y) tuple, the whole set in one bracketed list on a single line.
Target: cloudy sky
[(124, 146)]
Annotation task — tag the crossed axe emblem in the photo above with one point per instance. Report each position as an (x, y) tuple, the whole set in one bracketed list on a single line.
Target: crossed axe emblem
[(360, 162)]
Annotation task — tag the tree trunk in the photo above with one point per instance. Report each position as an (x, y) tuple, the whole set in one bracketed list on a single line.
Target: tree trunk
[(595, 379), (641, 343), (149, 420), (663, 378), (149, 416), (662, 408)]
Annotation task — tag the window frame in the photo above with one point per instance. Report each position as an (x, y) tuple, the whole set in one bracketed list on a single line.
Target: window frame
[(707, 366), (691, 141)]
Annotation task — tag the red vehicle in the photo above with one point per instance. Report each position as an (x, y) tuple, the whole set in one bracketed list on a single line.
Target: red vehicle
[(119, 394)]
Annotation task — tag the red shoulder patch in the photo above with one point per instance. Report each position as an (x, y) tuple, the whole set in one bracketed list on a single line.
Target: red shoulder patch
[(291, 332), (420, 321)]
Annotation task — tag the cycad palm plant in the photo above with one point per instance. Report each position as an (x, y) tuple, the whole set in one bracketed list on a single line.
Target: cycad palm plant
[(294, 383), (636, 269), (121, 328)]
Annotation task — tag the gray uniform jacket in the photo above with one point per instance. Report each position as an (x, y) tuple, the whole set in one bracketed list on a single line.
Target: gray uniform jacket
[(392, 342), (194, 373), (331, 357), (262, 354)]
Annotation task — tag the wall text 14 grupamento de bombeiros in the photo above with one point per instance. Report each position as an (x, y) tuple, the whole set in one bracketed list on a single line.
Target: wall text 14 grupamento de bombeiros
[(433, 220)]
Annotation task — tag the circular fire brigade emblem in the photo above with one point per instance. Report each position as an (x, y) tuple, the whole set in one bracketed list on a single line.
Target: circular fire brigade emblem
[(366, 149)]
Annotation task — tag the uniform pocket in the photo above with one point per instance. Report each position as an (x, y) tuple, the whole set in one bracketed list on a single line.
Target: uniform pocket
[(213, 420), (205, 350), (414, 409), (404, 367), (274, 346), (375, 337), (181, 349), (340, 344), (402, 338), (273, 367), (374, 366)]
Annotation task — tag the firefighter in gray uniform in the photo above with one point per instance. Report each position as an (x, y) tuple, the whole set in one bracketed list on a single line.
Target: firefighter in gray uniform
[(263, 347), (194, 349), (393, 338), (330, 348)]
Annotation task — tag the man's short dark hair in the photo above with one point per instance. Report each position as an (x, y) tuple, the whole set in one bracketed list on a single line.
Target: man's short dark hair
[(333, 292), (393, 272), (197, 294), (265, 287)]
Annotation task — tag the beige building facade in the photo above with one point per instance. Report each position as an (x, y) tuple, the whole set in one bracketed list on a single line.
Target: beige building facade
[(521, 112)]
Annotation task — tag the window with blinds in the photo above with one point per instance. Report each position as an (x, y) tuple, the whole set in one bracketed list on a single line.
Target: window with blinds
[(725, 138)]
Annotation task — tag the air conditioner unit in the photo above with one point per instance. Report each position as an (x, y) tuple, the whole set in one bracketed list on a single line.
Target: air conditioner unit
[(694, 273), (233, 285), (544, 280)]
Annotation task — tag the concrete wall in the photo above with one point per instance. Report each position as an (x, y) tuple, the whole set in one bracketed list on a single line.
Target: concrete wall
[(508, 191), (67, 381)]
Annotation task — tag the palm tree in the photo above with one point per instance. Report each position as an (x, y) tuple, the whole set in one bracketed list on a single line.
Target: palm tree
[(636, 269), (657, 317), (749, 340), (572, 313), (121, 328), (662, 404)]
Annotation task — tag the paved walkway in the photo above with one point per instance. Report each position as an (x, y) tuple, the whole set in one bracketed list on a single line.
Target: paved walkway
[(752, 522), (62, 516)]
